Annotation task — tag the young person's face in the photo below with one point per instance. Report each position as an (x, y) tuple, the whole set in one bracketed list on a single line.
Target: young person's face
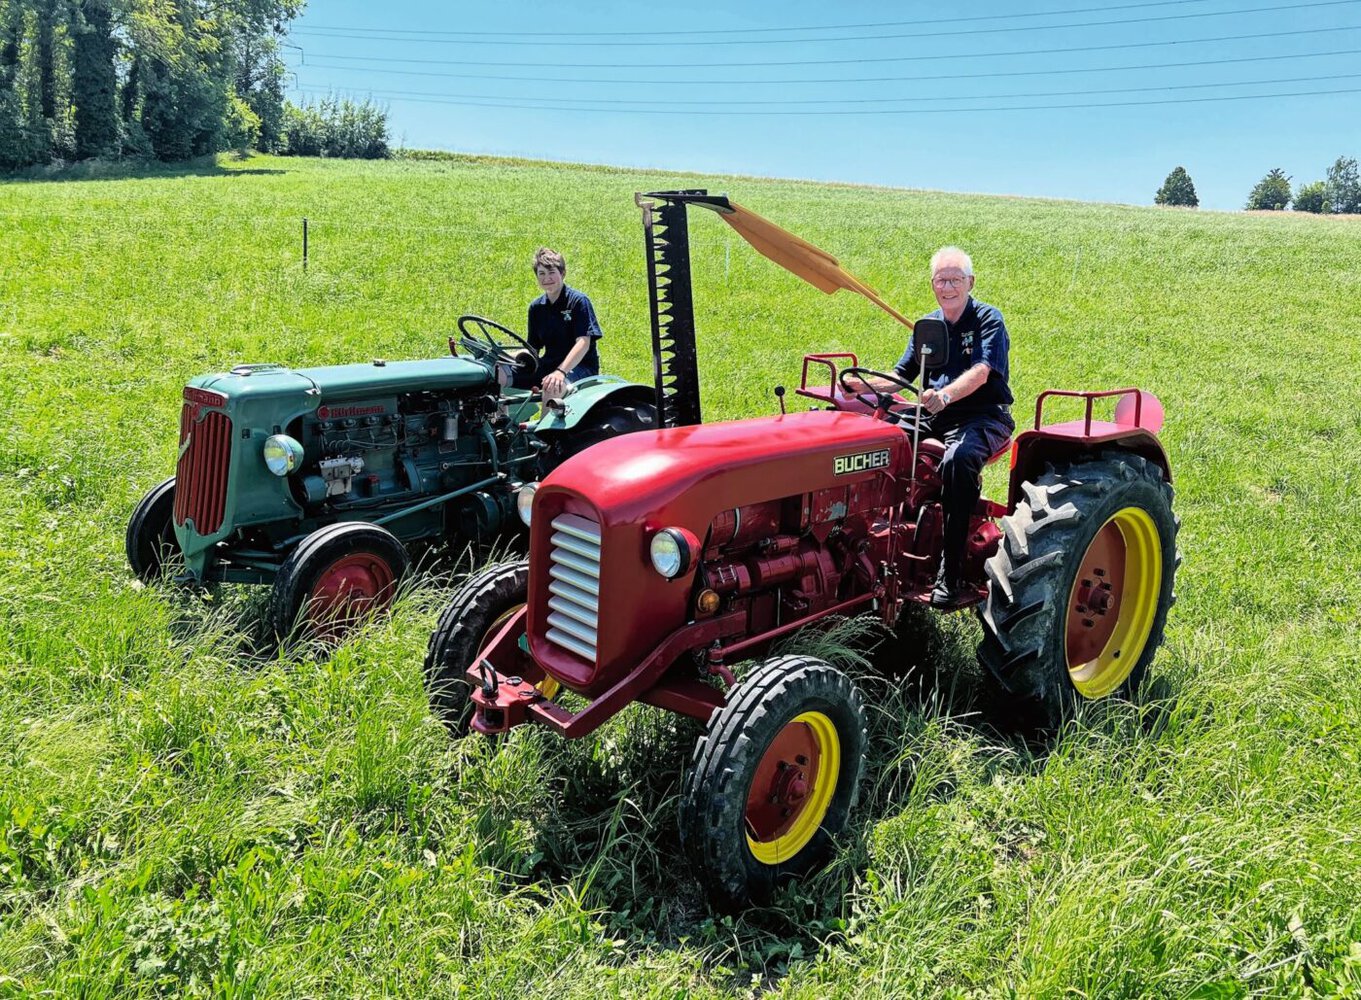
[(550, 280)]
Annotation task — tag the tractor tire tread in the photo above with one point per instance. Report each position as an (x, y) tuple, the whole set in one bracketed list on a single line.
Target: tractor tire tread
[(479, 601), (712, 808), (1022, 651)]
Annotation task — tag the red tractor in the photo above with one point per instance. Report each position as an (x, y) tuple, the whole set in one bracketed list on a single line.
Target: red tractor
[(661, 559)]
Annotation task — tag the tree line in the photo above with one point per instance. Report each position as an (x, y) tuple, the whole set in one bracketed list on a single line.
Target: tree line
[(1339, 192), (167, 80)]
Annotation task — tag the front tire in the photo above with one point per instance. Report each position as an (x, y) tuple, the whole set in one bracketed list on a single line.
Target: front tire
[(150, 540), (1080, 587), (479, 608), (336, 577), (774, 779)]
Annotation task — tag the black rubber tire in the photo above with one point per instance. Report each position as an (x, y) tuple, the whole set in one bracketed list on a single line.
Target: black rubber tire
[(1030, 578), (476, 605), (317, 553), (713, 798), (150, 541), (610, 420)]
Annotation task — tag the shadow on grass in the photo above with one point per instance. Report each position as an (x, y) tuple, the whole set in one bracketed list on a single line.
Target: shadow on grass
[(611, 829), (122, 170)]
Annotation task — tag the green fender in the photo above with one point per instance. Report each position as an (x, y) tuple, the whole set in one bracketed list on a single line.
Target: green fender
[(585, 397)]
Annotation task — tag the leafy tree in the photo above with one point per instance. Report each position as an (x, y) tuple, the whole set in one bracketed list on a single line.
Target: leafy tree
[(94, 80), (1177, 190), (1272, 192), (335, 127), (1312, 198), (1344, 186)]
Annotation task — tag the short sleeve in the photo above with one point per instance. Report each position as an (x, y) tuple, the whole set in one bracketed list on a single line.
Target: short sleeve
[(585, 316), (992, 346), (531, 333), (908, 367)]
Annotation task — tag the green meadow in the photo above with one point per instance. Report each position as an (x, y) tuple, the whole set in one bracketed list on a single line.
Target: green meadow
[(178, 818)]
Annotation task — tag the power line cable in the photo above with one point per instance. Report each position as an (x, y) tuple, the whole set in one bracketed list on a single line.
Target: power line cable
[(807, 27), (878, 100), (426, 37), (883, 111), (890, 59), (819, 80)]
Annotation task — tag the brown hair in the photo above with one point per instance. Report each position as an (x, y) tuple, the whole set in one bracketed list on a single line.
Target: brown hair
[(543, 257)]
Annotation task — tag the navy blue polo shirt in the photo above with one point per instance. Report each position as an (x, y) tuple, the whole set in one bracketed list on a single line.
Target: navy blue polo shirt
[(980, 336), (555, 326)]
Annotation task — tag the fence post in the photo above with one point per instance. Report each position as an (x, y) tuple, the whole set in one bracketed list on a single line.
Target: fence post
[(304, 243)]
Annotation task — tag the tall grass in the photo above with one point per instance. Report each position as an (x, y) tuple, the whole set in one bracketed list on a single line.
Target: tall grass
[(177, 817)]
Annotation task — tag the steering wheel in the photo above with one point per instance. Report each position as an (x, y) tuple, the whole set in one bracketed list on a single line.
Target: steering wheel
[(478, 333), (880, 399)]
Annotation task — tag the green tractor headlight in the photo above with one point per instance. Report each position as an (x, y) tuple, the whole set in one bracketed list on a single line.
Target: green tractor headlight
[(282, 454)]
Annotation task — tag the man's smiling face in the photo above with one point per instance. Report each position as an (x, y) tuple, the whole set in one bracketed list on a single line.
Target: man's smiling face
[(952, 287)]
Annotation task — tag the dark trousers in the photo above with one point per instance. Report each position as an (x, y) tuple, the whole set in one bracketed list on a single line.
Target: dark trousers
[(969, 442)]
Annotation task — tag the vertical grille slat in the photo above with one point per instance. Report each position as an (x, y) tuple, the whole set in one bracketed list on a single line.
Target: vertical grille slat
[(201, 473), (574, 574)]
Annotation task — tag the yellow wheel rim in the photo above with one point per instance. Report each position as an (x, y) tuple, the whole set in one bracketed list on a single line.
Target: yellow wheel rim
[(1113, 602), (792, 788)]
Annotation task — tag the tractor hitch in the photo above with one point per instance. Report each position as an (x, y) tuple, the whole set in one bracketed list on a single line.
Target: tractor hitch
[(501, 707)]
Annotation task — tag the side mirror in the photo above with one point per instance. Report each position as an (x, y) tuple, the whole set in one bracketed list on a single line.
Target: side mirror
[(932, 339)]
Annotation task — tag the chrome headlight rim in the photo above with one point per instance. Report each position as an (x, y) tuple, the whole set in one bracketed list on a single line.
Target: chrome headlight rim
[(672, 551), (282, 454), (524, 501)]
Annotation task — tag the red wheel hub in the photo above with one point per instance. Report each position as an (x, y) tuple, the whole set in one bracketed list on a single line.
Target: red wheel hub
[(350, 588), (779, 789), (1094, 607)]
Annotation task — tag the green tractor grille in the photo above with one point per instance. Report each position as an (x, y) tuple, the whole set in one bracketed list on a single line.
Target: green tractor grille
[(201, 476)]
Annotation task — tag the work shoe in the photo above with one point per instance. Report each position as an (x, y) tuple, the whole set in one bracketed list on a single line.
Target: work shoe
[(946, 593)]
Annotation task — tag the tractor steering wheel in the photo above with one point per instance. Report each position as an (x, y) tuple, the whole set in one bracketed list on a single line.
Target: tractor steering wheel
[(879, 399), (478, 335)]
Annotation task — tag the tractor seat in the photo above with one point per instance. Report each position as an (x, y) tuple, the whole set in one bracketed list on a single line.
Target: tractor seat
[(935, 447)]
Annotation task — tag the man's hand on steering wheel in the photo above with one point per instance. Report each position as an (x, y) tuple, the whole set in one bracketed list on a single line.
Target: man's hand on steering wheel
[(882, 401)]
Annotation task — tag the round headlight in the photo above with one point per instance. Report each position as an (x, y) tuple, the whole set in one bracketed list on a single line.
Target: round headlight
[(524, 500), (282, 454), (672, 551)]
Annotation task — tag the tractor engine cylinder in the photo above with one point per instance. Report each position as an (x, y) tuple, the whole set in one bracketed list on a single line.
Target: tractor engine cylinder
[(741, 526)]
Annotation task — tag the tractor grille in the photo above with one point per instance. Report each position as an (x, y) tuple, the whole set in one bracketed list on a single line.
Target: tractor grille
[(201, 476), (574, 607)]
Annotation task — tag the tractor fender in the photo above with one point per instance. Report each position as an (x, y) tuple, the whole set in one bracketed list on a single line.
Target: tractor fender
[(1033, 450), (586, 396)]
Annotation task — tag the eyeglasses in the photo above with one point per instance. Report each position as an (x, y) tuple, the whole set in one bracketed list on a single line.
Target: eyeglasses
[(959, 282)]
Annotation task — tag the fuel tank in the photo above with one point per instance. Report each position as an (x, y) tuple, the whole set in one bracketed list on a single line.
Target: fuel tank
[(594, 518)]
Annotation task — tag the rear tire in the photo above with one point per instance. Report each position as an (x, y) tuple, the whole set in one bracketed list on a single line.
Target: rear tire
[(610, 419), (750, 818), (336, 577), (472, 618), (150, 540), (1080, 587)]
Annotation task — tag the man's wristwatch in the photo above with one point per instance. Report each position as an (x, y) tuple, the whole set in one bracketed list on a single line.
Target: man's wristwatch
[(944, 398)]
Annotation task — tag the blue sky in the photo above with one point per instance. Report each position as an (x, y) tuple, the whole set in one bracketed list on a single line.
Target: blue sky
[(988, 97)]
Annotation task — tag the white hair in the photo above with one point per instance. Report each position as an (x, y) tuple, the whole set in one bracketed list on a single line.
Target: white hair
[(953, 255)]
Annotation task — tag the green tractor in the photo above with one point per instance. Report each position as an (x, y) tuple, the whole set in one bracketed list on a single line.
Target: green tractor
[(322, 481)]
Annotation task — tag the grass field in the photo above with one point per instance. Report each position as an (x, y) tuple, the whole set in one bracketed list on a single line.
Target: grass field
[(178, 820)]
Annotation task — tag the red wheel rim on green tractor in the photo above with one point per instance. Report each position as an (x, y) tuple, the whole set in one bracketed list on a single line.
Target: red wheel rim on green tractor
[(1113, 602), (346, 591), (792, 788)]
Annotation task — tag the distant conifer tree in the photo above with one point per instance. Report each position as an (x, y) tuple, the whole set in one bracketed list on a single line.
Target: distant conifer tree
[(1177, 190)]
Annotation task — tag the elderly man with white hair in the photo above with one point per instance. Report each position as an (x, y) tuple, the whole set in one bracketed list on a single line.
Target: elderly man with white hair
[(968, 400)]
